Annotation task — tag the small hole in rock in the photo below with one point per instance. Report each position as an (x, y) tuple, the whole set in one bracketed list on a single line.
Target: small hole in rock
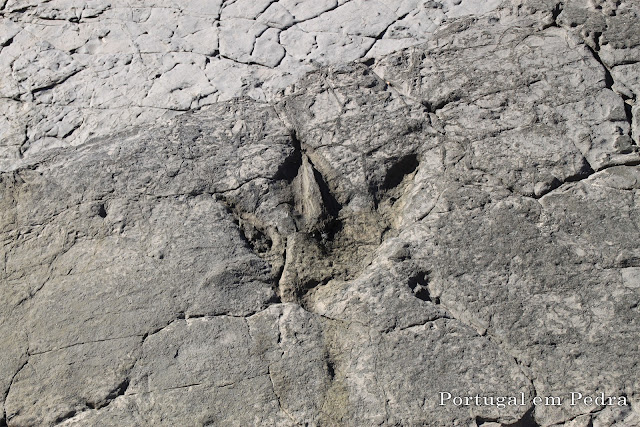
[(398, 171), (419, 286), (331, 369), (102, 212)]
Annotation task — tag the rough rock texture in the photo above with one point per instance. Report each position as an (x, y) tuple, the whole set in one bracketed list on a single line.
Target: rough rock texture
[(454, 211), (70, 69)]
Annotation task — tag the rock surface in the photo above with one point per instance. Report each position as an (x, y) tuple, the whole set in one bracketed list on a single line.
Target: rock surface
[(69, 69), (319, 213)]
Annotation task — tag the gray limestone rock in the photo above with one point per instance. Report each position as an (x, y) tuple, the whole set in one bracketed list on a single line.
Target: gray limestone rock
[(69, 69), (415, 213)]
